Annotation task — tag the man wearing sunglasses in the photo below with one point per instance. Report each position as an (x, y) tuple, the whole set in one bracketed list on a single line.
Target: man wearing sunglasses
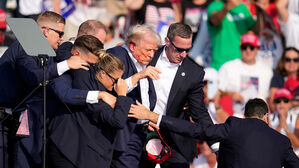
[(21, 74), (180, 83), (245, 78), (285, 118)]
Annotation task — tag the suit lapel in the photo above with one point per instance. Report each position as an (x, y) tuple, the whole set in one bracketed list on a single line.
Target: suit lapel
[(176, 84)]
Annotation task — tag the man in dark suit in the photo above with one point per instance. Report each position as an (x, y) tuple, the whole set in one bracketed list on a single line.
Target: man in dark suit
[(244, 143), (84, 136), (180, 84), (62, 86), (141, 43), (20, 74)]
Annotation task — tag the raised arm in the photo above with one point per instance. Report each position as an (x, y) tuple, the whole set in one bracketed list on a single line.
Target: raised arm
[(282, 10)]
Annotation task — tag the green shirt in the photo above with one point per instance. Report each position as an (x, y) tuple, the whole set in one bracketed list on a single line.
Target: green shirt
[(225, 37)]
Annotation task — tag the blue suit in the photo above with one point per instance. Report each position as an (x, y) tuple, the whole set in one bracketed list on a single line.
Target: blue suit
[(21, 74), (86, 135), (244, 143), (130, 140)]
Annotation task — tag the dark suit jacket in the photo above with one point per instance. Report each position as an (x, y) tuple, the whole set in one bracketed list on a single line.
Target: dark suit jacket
[(244, 143), (62, 86), (186, 88), (20, 74), (130, 69), (87, 135)]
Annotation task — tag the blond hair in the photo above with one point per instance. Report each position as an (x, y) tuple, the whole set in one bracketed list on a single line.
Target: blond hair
[(108, 62)]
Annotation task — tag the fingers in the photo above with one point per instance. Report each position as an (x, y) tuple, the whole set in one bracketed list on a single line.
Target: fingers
[(84, 67)]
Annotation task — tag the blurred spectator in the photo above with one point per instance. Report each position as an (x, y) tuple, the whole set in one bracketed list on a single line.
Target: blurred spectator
[(217, 114), (29, 8), (195, 15), (157, 13), (288, 66), (268, 6), (85, 10), (270, 36), (285, 119), (194, 12), (6, 38), (289, 22), (228, 20), (206, 158), (62, 7), (245, 78)]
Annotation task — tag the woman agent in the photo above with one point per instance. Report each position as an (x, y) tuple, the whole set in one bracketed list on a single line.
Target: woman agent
[(87, 134)]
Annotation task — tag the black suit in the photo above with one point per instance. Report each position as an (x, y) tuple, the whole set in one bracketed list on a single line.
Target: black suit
[(130, 140), (186, 88), (87, 135), (244, 143)]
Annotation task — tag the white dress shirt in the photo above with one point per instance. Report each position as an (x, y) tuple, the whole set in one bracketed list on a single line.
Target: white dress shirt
[(144, 85)]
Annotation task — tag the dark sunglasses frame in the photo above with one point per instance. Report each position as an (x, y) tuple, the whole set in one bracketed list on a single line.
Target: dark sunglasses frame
[(278, 100), (113, 79), (287, 59), (60, 33), (245, 46), (180, 50)]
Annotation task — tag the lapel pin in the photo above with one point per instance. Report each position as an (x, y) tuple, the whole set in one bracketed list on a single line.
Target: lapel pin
[(183, 74)]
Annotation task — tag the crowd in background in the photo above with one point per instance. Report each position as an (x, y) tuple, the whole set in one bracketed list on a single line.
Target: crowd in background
[(249, 48)]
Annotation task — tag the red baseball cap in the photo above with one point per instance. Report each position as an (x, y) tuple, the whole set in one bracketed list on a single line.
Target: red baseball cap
[(250, 38), (283, 92), (292, 84), (2, 19), (155, 148)]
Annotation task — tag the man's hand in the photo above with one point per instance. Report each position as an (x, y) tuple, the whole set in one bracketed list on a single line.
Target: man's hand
[(76, 62), (121, 87), (140, 112), (152, 127), (230, 4), (151, 72), (107, 98)]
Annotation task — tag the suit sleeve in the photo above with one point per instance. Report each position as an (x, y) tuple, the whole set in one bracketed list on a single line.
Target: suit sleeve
[(62, 87), (197, 109), (102, 112), (31, 70), (290, 158), (207, 132)]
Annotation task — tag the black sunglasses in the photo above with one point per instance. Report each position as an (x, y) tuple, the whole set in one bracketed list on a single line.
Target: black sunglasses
[(113, 79), (285, 100), (60, 33), (180, 50), (245, 46), (287, 59)]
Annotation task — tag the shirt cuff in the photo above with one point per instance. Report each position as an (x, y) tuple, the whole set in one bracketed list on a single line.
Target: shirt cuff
[(159, 120), (215, 147), (129, 83), (92, 97), (62, 67)]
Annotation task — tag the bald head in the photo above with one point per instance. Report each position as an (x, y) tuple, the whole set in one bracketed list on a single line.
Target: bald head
[(94, 28)]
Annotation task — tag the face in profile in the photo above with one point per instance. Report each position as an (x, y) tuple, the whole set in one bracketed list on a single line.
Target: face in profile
[(54, 34)]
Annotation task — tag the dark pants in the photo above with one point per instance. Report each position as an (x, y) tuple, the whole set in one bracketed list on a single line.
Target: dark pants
[(56, 158), (131, 157)]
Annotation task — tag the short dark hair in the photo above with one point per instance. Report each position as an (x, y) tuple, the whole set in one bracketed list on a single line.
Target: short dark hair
[(179, 29), (50, 17), (88, 43), (91, 27), (256, 108)]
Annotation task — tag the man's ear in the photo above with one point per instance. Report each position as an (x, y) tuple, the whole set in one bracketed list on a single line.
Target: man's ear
[(45, 32), (76, 52), (132, 46), (167, 42)]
